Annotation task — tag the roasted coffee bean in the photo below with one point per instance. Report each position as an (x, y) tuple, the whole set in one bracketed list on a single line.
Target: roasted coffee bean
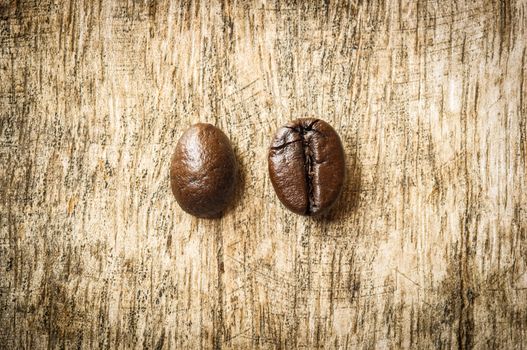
[(203, 171), (306, 166)]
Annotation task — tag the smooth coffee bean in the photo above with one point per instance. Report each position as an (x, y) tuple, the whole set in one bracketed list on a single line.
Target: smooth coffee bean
[(203, 171), (307, 166)]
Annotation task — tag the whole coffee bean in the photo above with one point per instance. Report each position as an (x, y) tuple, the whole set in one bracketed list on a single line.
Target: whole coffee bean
[(306, 166), (203, 171)]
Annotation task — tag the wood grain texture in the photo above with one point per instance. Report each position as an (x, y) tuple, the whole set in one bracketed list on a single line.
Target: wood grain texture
[(427, 247)]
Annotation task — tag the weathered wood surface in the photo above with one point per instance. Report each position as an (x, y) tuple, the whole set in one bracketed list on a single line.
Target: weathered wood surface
[(426, 249)]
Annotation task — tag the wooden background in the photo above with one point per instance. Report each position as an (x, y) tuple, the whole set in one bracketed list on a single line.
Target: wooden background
[(427, 247)]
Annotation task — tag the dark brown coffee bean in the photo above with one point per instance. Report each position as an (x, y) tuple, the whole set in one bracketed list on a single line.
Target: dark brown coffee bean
[(306, 165), (203, 171)]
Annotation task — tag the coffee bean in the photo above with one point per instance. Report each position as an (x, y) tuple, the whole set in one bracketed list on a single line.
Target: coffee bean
[(306, 166), (203, 171)]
